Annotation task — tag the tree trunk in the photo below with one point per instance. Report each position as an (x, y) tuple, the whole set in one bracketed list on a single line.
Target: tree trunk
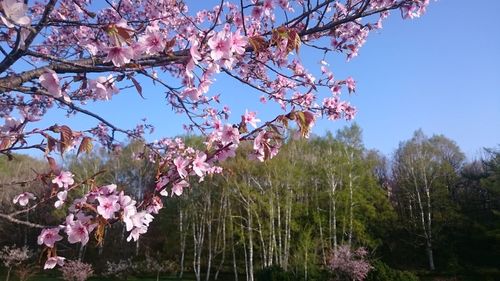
[(351, 206), (429, 231), (250, 242), (224, 210), (8, 273), (183, 241), (209, 235)]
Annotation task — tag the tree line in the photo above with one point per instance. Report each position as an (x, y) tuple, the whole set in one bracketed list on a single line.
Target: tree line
[(423, 208)]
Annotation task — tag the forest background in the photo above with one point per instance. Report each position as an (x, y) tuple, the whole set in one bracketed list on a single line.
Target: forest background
[(423, 211)]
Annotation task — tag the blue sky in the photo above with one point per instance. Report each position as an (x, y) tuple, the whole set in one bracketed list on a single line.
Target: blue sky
[(440, 73)]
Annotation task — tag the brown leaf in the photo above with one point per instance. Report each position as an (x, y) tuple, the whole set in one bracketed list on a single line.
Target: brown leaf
[(5, 143), (304, 121), (54, 128), (119, 34), (86, 145), (258, 43), (66, 138)]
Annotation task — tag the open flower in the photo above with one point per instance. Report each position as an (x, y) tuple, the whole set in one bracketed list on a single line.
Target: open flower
[(250, 118), (119, 55), (61, 198), (199, 164), (181, 164), (15, 11), (53, 261), (64, 179), (49, 237), (23, 198), (103, 87), (220, 46), (108, 205), (50, 81), (178, 187)]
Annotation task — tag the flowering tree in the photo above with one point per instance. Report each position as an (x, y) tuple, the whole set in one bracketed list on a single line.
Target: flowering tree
[(349, 264), (65, 54)]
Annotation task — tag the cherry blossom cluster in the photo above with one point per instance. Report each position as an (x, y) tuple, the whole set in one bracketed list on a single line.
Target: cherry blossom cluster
[(92, 212)]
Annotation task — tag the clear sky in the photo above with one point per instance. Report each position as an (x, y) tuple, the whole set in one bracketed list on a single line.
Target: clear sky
[(440, 73)]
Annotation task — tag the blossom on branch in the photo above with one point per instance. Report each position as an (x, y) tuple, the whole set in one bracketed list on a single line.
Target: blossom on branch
[(23, 198), (64, 179)]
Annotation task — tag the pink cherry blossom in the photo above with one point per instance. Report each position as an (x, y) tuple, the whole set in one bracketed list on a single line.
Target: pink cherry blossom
[(107, 189), (125, 200), (11, 124), (230, 134), (64, 179), (119, 55), (238, 43), (50, 81), (141, 223), (128, 214), (23, 198), (228, 152), (108, 205), (195, 53), (61, 196), (53, 261), (155, 206), (181, 164), (77, 232), (199, 164), (15, 11), (220, 46), (135, 233), (153, 42), (351, 84), (193, 93), (103, 87), (178, 187), (49, 236), (249, 118)]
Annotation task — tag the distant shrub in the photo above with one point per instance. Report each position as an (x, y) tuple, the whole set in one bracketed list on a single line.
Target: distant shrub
[(120, 270), (382, 272), (18, 259), (76, 271)]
